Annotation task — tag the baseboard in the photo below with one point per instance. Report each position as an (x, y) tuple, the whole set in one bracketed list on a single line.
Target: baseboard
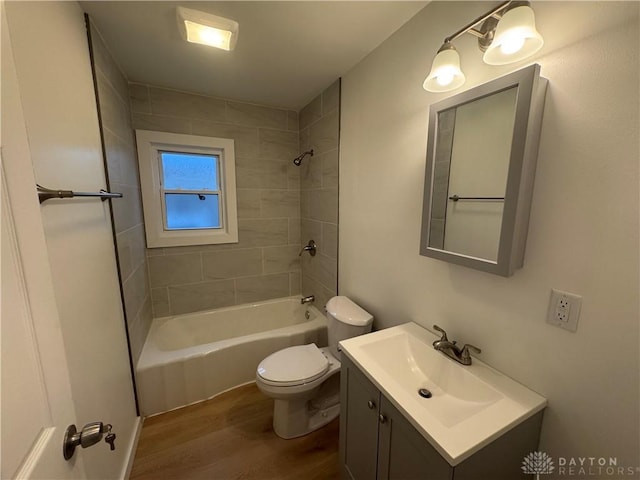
[(133, 445)]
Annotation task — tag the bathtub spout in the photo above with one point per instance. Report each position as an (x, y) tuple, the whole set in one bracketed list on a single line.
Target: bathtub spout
[(308, 299)]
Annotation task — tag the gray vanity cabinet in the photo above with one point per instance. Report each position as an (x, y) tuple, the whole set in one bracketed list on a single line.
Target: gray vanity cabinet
[(378, 443)]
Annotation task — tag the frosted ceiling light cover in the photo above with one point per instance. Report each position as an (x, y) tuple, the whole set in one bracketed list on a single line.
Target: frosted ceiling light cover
[(515, 38), (445, 72), (207, 29)]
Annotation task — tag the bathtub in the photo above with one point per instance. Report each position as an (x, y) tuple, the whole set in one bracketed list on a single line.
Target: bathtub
[(189, 358)]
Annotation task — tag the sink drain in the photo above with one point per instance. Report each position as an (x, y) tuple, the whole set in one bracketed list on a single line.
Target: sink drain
[(424, 393)]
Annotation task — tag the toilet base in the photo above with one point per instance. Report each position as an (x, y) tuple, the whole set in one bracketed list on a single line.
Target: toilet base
[(288, 424), (295, 418)]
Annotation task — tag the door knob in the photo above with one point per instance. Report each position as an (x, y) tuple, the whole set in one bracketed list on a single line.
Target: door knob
[(90, 435), (371, 404)]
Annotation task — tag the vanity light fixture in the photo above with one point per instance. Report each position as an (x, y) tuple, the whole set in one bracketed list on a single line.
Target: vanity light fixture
[(506, 34), (207, 29)]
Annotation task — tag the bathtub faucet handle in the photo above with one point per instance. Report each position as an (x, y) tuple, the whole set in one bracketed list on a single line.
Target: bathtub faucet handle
[(308, 299), (309, 247)]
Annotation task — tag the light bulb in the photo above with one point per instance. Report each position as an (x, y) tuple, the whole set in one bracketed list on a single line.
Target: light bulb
[(445, 77), (512, 44)]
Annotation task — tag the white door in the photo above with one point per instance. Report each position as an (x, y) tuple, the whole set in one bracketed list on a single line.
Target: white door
[(36, 391)]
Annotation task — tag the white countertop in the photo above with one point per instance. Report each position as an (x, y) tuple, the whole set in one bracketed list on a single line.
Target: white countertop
[(470, 405)]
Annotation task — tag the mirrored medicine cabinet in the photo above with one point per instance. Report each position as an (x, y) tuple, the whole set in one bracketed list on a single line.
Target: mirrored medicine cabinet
[(481, 156)]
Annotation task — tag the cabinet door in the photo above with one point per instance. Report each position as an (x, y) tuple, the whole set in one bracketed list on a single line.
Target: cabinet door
[(359, 400), (403, 453)]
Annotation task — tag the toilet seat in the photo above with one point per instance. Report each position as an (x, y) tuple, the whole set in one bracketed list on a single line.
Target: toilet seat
[(293, 366)]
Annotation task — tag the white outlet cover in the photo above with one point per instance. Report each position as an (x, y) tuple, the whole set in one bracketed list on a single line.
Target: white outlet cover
[(564, 309)]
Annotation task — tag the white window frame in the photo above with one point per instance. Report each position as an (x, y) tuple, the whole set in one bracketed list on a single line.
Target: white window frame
[(150, 145)]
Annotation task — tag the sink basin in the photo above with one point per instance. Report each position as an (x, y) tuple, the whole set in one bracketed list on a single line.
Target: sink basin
[(468, 406)]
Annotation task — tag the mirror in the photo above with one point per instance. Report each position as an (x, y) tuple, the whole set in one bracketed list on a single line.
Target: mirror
[(481, 155)]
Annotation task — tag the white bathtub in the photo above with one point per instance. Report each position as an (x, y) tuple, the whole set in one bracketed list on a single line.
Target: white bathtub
[(189, 358)]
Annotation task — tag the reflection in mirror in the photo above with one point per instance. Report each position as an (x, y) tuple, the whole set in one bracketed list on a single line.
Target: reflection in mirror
[(469, 182), (481, 154)]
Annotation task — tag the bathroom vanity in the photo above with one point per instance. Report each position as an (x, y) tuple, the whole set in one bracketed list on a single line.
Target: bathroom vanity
[(476, 423)]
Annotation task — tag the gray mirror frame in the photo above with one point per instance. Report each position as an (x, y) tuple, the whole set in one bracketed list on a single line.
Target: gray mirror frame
[(522, 163)]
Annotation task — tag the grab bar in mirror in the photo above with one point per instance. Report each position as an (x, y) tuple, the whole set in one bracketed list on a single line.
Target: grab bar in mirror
[(455, 198), (45, 194)]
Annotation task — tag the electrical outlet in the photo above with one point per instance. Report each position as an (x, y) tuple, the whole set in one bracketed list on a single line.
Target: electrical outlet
[(564, 310)]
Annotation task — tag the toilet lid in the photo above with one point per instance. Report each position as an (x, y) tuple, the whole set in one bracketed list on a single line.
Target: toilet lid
[(294, 365)]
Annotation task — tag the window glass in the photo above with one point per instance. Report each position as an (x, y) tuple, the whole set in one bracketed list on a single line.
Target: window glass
[(189, 171), (192, 210)]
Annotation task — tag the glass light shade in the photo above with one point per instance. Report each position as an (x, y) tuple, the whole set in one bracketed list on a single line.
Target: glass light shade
[(445, 72), (207, 29), (515, 37)]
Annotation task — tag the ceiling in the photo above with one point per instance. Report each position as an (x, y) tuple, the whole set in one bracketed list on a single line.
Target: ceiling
[(287, 52)]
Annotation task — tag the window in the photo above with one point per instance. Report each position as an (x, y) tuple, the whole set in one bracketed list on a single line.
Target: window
[(188, 189)]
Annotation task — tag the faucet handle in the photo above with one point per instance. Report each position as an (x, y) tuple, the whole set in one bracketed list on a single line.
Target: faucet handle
[(444, 334), (464, 353)]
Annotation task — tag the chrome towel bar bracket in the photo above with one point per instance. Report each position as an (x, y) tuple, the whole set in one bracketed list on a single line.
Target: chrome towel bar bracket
[(45, 194)]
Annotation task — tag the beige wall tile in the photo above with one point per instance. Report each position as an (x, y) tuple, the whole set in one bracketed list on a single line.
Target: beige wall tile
[(139, 98), (127, 211), (114, 111), (201, 296), (293, 176), (313, 287), (311, 112), (322, 269), (175, 269), (232, 264), (295, 283), (311, 230), (263, 232), (305, 202), (249, 202), (254, 289), (330, 240), (294, 231), (154, 252), (255, 173), (331, 97), (278, 144), (323, 205), (303, 139), (323, 135), (280, 203), (160, 302), (188, 105), (124, 255), (281, 259), (161, 123), (311, 172), (135, 290), (256, 115), (292, 121), (245, 138), (107, 65), (330, 168)]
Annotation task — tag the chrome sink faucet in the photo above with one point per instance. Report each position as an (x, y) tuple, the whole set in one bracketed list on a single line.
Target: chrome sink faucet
[(451, 350)]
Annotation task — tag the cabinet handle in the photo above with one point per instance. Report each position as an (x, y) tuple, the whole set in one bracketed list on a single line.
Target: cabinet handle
[(371, 404), (382, 418)]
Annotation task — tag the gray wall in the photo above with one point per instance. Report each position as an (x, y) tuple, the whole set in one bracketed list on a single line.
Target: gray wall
[(122, 173), (320, 130), (583, 230), (264, 263)]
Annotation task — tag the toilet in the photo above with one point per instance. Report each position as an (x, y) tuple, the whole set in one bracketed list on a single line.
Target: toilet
[(304, 380)]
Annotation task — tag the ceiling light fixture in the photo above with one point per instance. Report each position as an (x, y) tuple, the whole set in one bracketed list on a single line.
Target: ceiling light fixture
[(207, 29), (507, 34)]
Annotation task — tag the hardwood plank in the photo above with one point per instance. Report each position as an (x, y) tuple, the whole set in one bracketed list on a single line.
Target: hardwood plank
[(231, 437)]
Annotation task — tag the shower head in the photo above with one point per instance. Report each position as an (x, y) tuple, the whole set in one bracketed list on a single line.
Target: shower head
[(298, 160)]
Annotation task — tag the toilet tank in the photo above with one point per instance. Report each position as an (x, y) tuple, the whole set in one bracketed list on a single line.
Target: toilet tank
[(345, 319)]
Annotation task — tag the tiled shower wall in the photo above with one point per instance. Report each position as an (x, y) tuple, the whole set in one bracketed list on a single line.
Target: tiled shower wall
[(319, 130), (264, 263), (122, 172)]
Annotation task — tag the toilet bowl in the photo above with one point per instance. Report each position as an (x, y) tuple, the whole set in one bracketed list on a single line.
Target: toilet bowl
[(304, 380)]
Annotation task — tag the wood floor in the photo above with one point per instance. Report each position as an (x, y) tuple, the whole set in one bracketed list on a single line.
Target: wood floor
[(231, 437)]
